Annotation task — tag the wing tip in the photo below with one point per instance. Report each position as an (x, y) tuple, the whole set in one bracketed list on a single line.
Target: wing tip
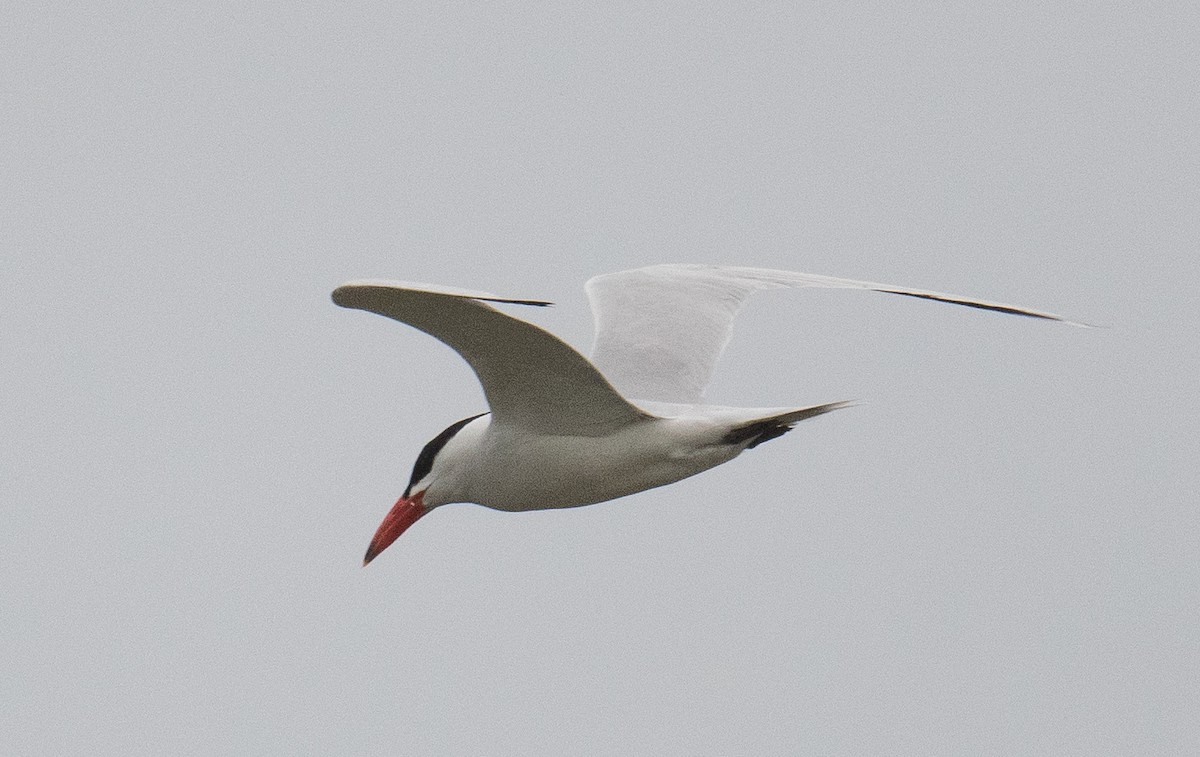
[(995, 307), (343, 295)]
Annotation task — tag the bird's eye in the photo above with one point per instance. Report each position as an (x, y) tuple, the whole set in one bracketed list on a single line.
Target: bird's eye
[(424, 462)]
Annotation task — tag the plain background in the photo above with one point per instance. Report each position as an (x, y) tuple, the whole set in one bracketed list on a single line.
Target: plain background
[(996, 553)]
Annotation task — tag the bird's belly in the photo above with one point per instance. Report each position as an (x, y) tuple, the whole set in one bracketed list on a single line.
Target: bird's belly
[(556, 472)]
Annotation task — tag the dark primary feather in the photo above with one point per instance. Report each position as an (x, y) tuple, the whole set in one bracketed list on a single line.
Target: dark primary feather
[(1010, 309)]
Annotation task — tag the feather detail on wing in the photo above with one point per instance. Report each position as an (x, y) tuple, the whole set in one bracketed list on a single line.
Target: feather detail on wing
[(531, 378), (661, 329)]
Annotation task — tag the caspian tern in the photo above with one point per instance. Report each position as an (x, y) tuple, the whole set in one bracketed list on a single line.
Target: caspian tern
[(565, 431)]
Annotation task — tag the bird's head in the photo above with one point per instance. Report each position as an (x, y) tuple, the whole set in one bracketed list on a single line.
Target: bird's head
[(412, 504)]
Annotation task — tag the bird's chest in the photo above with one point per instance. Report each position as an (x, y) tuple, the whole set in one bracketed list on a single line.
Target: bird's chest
[(556, 472)]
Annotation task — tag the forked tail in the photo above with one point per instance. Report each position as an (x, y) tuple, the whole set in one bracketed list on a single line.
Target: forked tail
[(766, 429)]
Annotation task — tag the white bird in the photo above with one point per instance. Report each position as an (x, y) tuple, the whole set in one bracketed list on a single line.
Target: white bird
[(565, 431)]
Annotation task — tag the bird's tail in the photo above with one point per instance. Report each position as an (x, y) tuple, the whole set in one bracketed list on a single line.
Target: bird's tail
[(765, 429)]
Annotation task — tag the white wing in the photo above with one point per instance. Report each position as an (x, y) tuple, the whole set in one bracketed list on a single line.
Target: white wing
[(531, 378), (661, 329)]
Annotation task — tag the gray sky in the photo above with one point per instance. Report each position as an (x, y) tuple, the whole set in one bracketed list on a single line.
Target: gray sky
[(995, 554)]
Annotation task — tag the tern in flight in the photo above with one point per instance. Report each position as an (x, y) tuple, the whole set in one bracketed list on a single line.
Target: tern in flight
[(564, 430)]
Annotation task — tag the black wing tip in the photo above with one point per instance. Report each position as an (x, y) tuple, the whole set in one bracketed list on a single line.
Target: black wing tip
[(994, 307), (339, 296), (533, 303), (344, 295)]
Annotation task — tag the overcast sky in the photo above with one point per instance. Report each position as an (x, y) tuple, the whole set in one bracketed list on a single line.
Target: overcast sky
[(995, 553)]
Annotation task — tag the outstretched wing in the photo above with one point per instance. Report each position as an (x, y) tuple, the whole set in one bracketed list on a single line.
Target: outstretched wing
[(531, 378), (661, 329)]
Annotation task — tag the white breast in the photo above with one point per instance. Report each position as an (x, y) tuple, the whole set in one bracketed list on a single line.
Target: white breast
[(507, 468)]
